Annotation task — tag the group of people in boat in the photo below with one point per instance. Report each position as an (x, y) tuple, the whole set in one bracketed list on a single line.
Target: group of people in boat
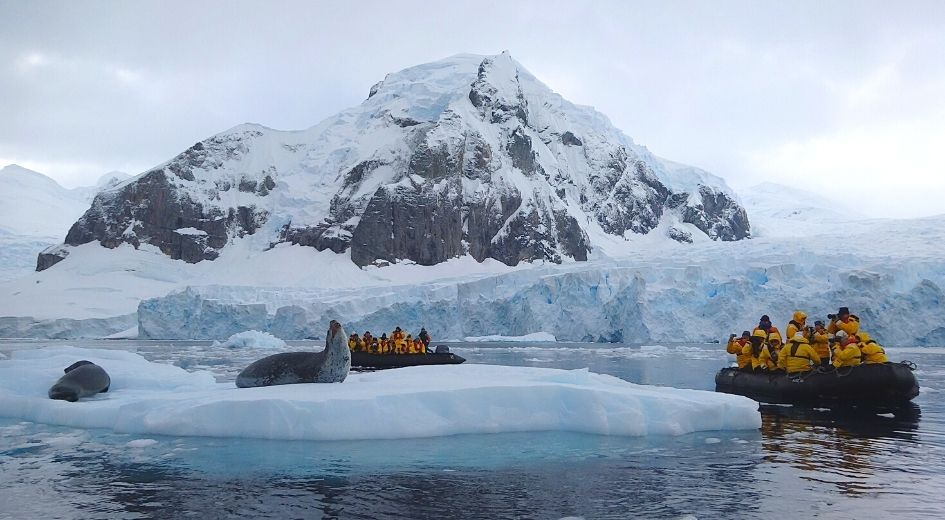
[(839, 343), (397, 343)]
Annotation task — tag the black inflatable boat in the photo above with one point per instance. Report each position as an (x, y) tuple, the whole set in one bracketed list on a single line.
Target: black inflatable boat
[(876, 384), (442, 357)]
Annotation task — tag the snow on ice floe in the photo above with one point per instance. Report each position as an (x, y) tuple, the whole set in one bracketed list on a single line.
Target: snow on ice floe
[(535, 337), (252, 339), (157, 399)]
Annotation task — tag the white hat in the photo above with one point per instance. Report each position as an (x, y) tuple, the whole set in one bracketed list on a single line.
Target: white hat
[(841, 334), (798, 336)]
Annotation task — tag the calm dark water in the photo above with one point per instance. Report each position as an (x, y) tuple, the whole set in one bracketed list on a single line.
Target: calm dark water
[(802, 463)]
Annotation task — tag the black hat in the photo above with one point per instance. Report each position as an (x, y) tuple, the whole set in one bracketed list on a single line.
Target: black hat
[(843, 310), (819, 322), (746, 334)]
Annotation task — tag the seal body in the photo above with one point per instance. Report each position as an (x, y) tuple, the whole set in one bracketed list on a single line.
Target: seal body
[(82, 379), (328, 366)]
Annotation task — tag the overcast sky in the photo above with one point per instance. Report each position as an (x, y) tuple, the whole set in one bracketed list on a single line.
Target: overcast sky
[(843, 98)]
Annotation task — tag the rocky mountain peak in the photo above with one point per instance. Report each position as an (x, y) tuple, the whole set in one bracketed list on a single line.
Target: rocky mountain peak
[(470, 155)]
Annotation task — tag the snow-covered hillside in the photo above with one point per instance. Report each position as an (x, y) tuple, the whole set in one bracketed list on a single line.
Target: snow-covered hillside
[(470, 155), (35, 205), (36, 213), (779, 210)]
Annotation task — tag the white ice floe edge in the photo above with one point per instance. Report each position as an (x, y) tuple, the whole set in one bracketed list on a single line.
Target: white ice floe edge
[(157, 399), (533, 337)]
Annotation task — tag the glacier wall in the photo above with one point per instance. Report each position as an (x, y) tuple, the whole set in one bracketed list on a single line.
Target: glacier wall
[(900, 303)]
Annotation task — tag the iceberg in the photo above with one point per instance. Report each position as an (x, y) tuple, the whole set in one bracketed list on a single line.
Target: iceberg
[(148, 398), (252, 339)]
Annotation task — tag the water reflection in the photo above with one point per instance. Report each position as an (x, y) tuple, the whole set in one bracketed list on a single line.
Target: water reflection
[(840, 448)]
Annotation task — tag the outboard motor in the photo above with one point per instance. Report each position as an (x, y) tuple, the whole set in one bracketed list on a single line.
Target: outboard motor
[(442, 349)]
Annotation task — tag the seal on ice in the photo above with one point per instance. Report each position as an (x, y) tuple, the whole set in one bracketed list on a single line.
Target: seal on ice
[(328, 366), (82, 379)]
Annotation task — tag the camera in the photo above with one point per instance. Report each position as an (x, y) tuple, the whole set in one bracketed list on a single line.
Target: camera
[(831, 317)]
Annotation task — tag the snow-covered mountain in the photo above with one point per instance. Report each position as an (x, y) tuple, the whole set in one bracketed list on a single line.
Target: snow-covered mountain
[(779, 210), (36, 213), (470, 155), (37, 206)]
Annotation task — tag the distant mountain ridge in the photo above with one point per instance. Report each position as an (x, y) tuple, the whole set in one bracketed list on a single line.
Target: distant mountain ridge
[(470, 155)]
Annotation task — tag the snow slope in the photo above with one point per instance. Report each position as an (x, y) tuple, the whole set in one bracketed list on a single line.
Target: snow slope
[(153, 398), (779, 210), (36, 213), (35, 205)]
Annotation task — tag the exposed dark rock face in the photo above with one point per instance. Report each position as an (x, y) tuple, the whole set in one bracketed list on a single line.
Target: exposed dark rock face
[(493, 166), (155, 210), (680, 235), (718, 216), (570, 139), (50, 257)]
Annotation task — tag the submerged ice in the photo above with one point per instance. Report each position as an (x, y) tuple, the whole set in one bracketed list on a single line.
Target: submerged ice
[(149, 398)]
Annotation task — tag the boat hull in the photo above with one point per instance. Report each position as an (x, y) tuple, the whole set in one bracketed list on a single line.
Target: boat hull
[(876, 384), (367, 360)]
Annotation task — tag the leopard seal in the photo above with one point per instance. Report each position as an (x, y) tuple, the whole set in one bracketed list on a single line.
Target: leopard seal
[(327, 366), (82, 379)]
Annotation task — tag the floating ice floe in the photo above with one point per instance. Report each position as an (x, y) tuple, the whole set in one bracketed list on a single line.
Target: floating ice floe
[(535, 337), (252, 339), (158, 399)]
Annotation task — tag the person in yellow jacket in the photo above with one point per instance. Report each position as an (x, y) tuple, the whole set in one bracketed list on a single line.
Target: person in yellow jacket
[(382, 344), (398, 338), (797, 355), (418, 347), (352, 342), (737, 347), (844, 321), (846, 353), (870, 351), (797, 324), (408, 345), (367, 340), (820, 342), (757, 350)]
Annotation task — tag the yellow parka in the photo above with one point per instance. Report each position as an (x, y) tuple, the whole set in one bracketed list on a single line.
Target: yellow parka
[(765, 359), (797, 356), (737, 347), (870, 351), (846, 356), (851, 326), (797, 324), (821, 344), (398, 338)]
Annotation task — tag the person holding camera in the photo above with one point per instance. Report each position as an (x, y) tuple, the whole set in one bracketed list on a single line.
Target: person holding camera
[(797, 324), (846, 353), (820, 342), (843, 320), (737, 346)]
